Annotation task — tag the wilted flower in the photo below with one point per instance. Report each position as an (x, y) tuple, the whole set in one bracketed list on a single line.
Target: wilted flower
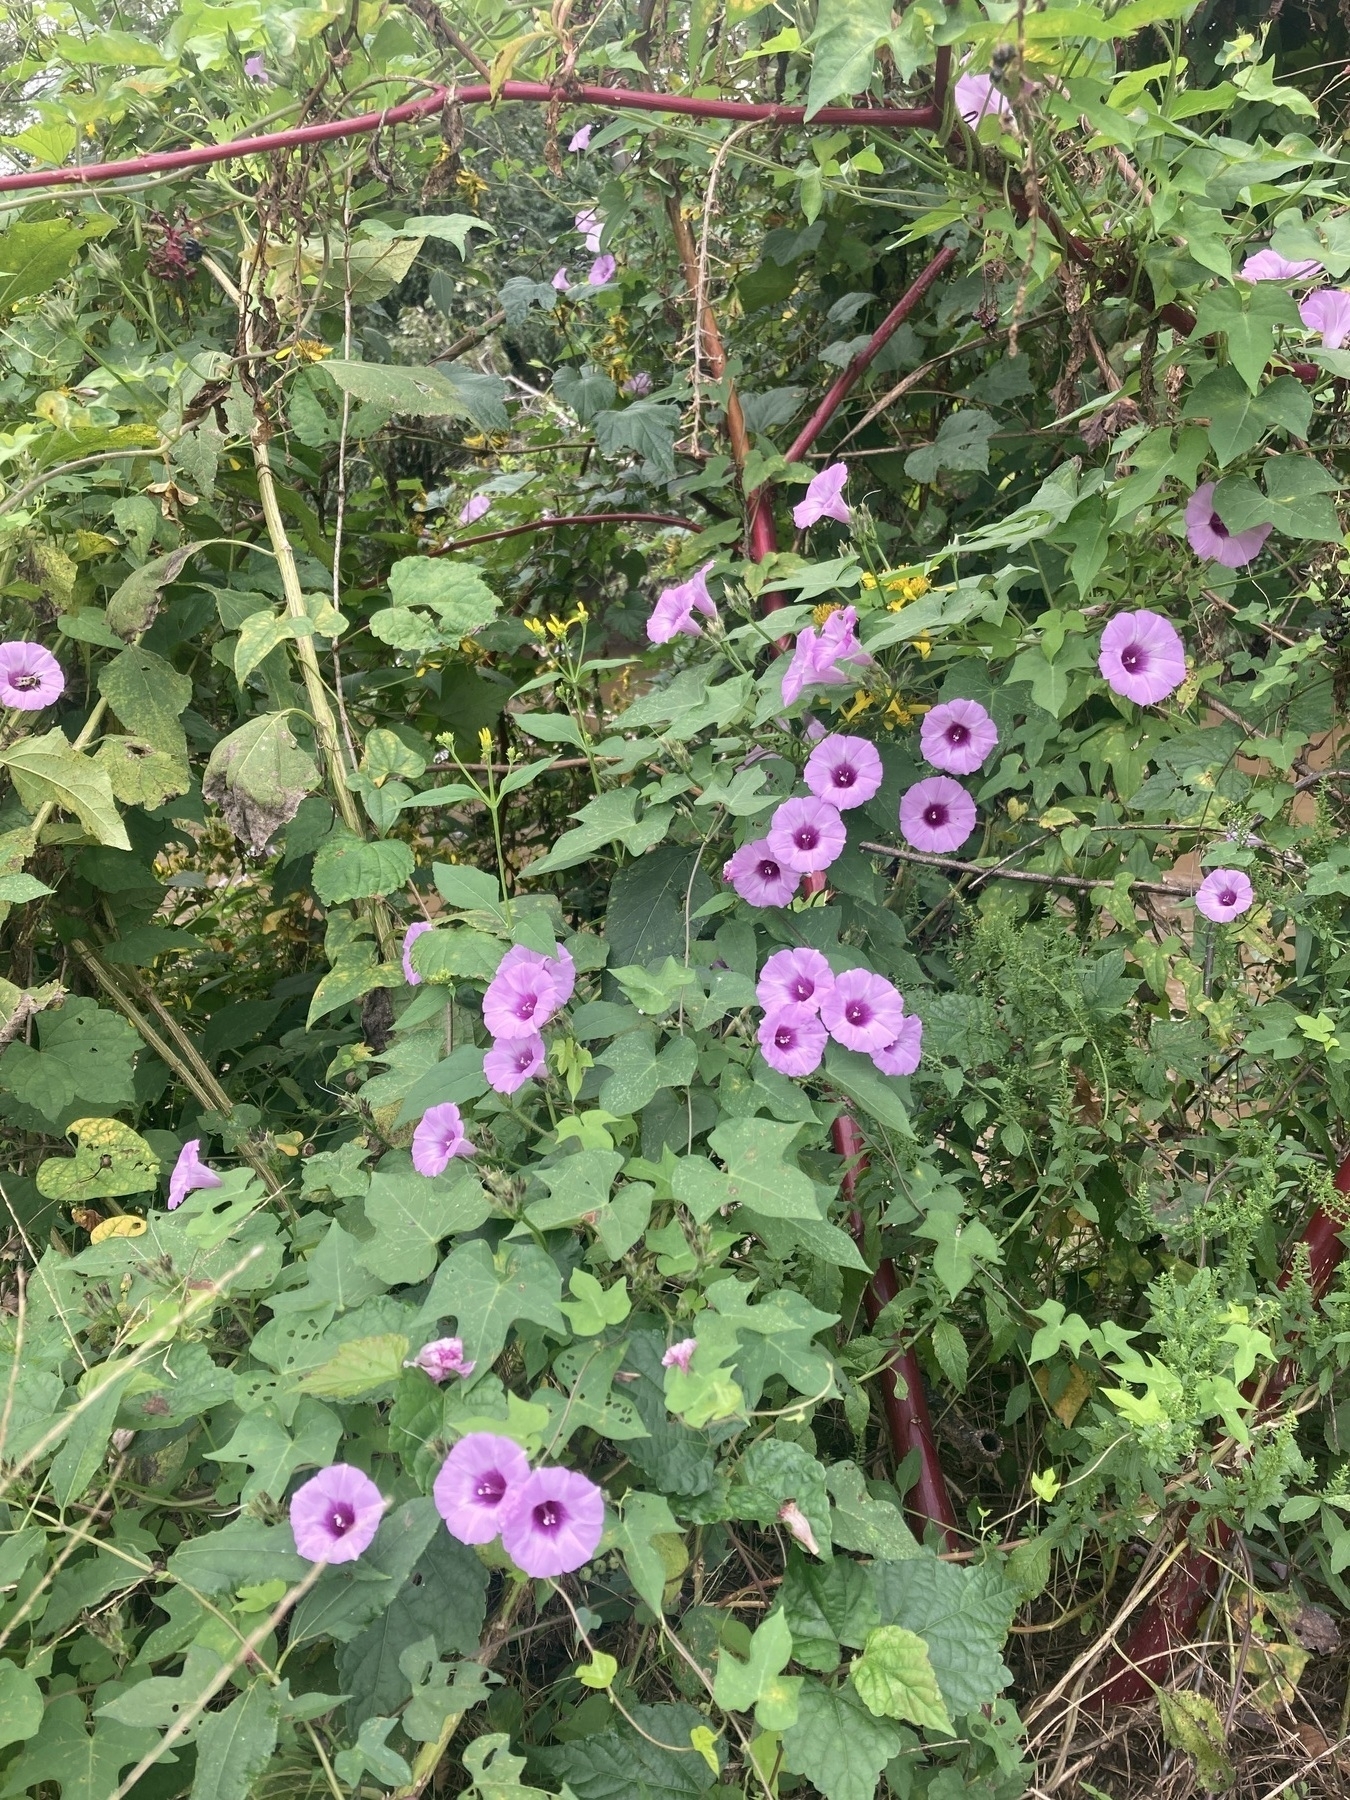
[(1269, 265), (843, 770), (1223, 895), (904, 1055), (1142, 657), (863, 1011), (601, 271), (822, 658), (674, 611), (798, 1525), (957, 736), (511, 1062), (335, 1514), (638, 383), (1327, 311), (30, 677), (479, 1475), (441, 1359), (553, 1522), (438, 1139), (474, 508), (410, 937), (190, 1173), (936, 814), (824, 498), (792, 1039), (806, 835), (800, 977), (1208, 535), (680, 1355), (758, 876)]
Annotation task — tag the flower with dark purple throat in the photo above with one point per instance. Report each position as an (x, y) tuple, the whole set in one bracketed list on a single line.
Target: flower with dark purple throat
[(758, 876), (936, 815), (1142, 657), (30, 677), (511, 1062), (335, 1514), (846, 771), (479, 1476), (190, 1173), (441, 1359), (863, 1011), (792, 1039), (904, 1055), (521, 998), (438, 1139), (806, 835), (553, 1522), (957, 736), (559, 967), (1224, 894), (673, 614), (824, 499), (410, 937), (800, 977), (1209, 537)]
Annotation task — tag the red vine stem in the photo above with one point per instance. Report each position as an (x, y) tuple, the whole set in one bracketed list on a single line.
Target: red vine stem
[(1169, 1621), (880, 118)]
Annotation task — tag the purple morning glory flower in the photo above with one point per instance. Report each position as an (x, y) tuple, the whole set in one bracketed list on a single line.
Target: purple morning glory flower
[(560, 280), (30, 677), (480, 1474), (638, 384), (843, 770), (936, 814), (1142, 657), (1327, 311), (588, 223), (977, 98), (553, 1522), (1223, 895), (863, 1011), (818, 656), (824, 499), (903, 1056), (559, 968), (410, 937), (441, 1359), (957, 736), (521, 998), (190, 1173), (806, 835), (680, 1355), (335, 1514), (673, 614), (601, 271), (799, 977), (438, 1139), (792, 1039), (581, 140), (1269, 265), (255, 68), (511, 1062), (758, 876), (474, 508), (1208, 536)]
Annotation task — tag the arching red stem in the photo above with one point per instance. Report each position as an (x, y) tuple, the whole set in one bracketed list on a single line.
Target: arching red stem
[(1169, 1621)]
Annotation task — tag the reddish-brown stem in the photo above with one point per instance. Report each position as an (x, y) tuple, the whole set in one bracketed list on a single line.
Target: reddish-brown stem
[(604, 518), (881, 118), (761, 522), (1171, 1617)]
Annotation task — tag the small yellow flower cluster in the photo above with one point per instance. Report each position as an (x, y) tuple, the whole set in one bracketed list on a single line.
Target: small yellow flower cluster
[(305, 350), (470, 185), (554, 627), (897, 712), (824, 611), (904, 587)]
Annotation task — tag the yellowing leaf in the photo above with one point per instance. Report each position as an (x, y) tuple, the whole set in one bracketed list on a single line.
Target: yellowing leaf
[(121, 1225)]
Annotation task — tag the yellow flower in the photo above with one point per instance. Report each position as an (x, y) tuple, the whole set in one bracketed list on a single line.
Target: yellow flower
[(825, 610), (534, 625), (306, 350), (470, 185), (905, 588), (924, 647), (861, 701), (869, 580)]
